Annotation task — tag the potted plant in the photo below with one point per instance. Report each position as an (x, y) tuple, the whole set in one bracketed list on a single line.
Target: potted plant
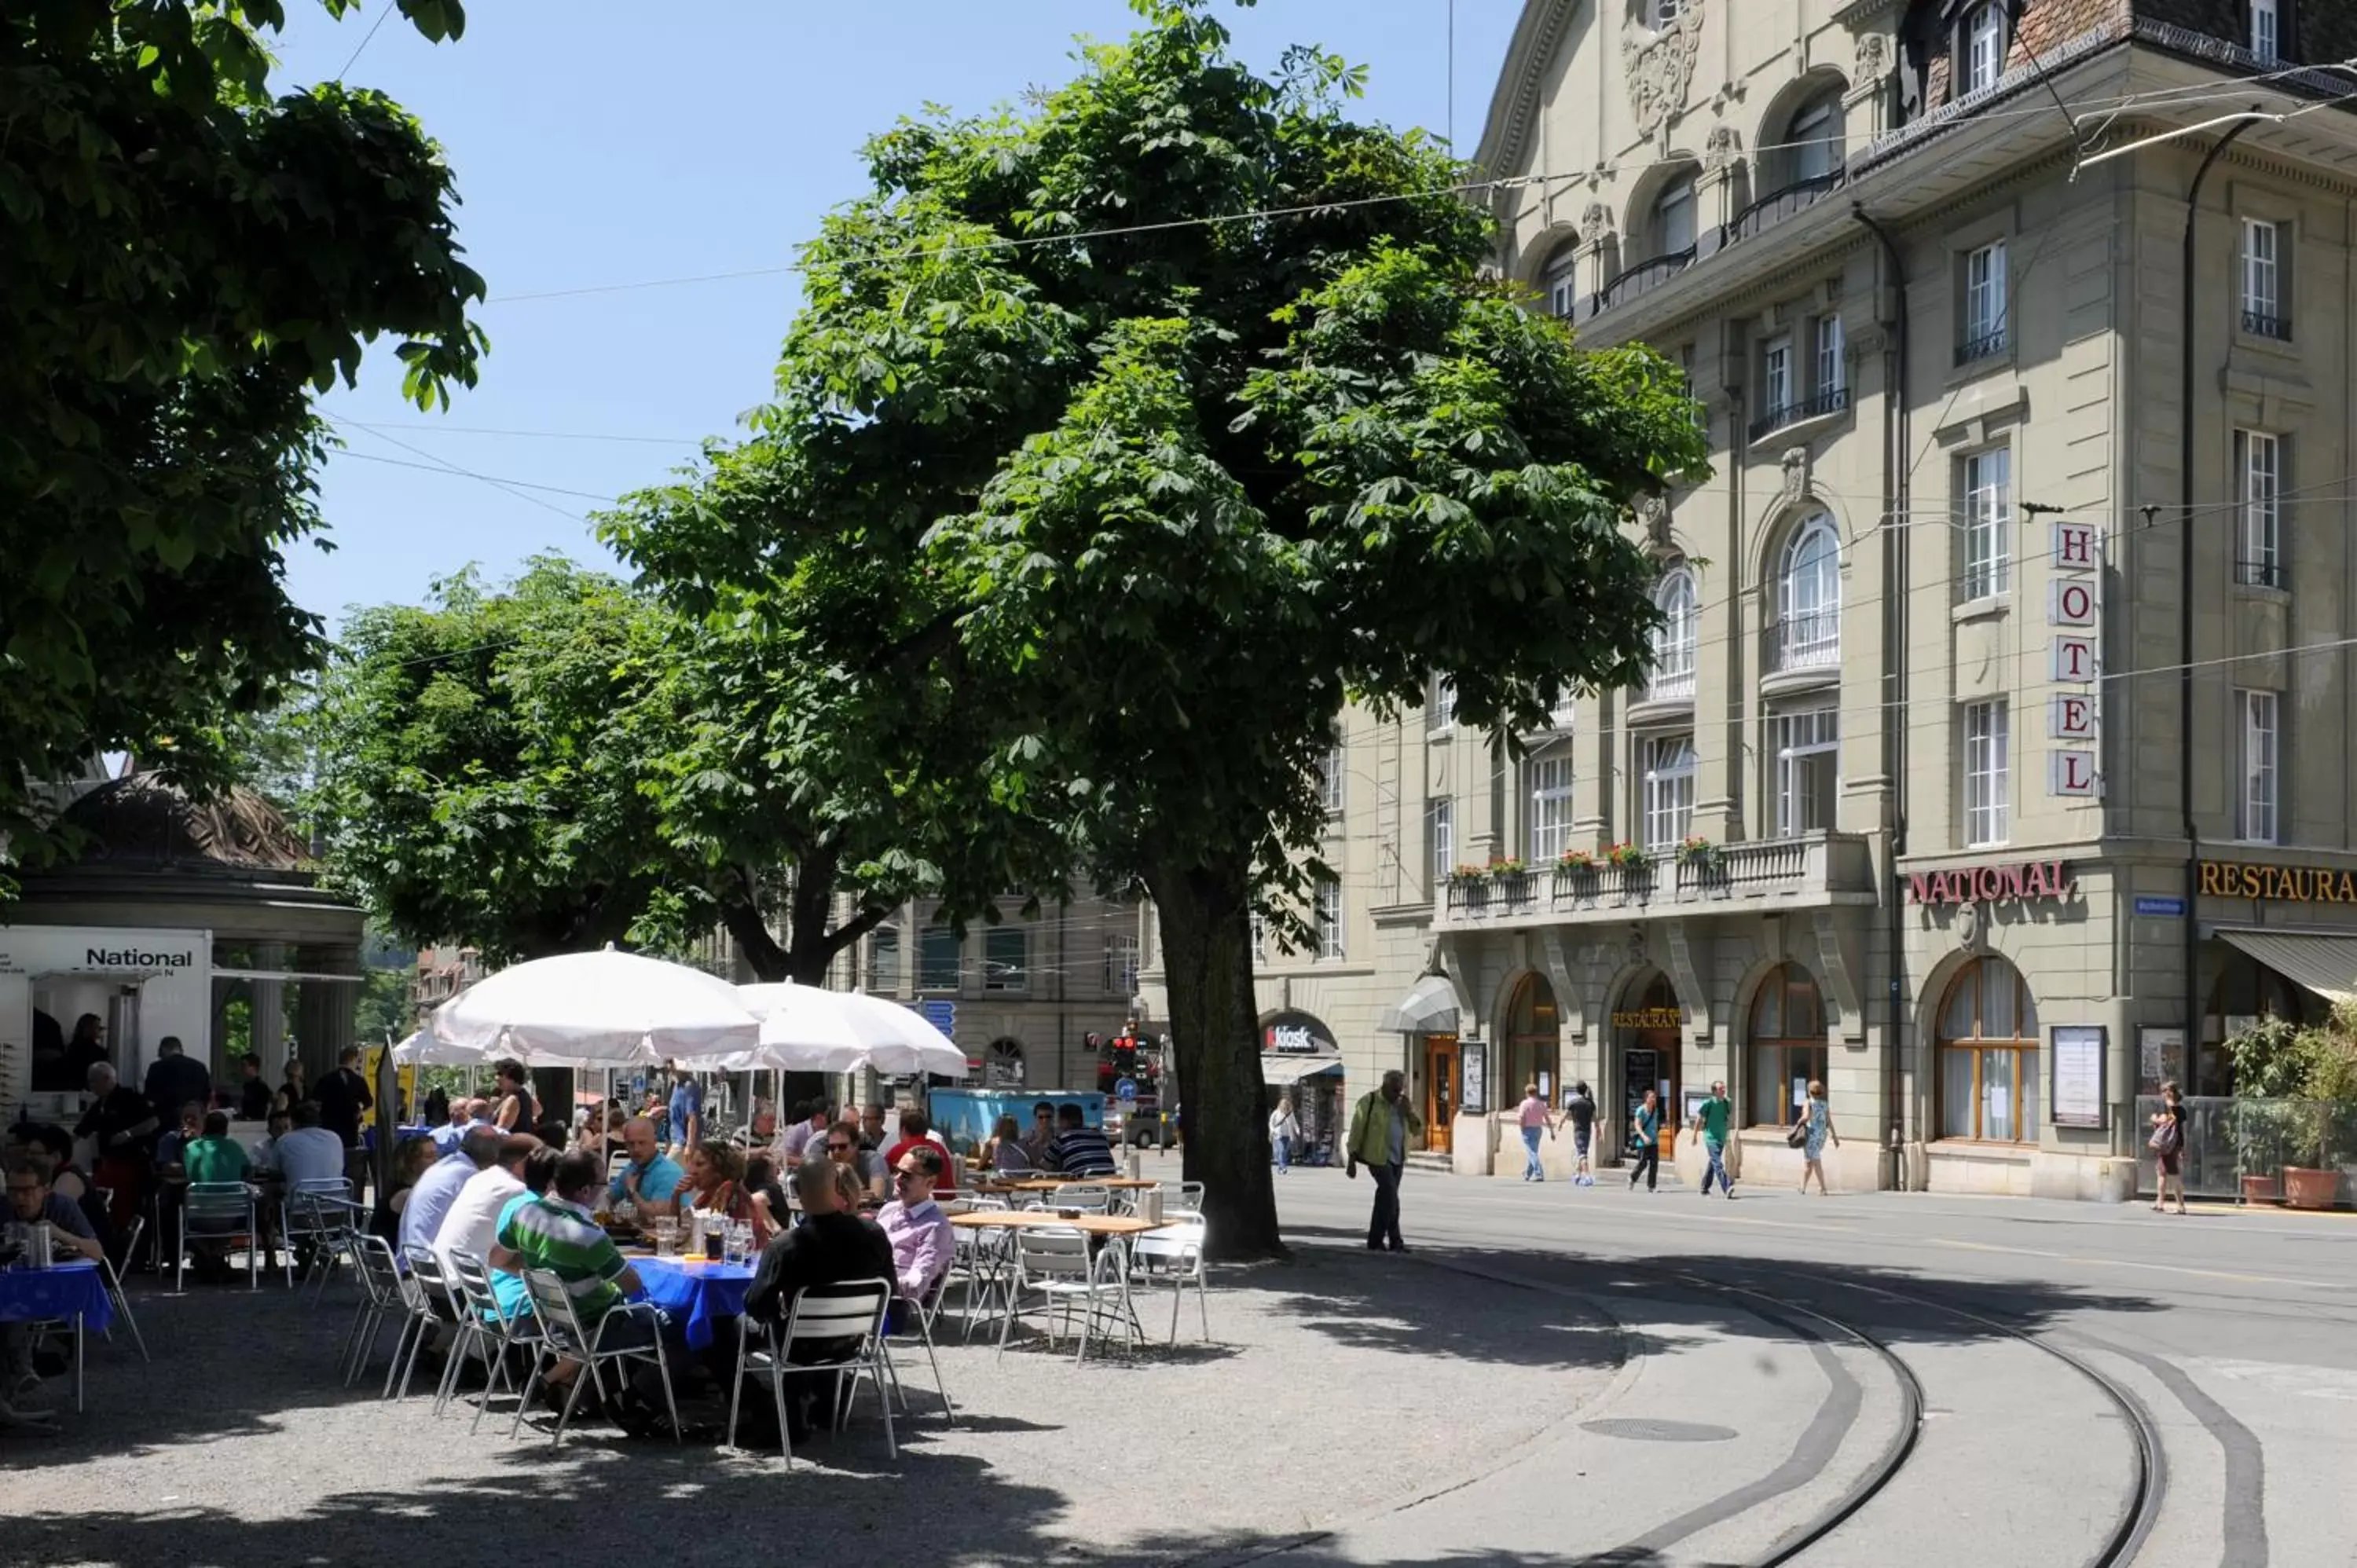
[(1576, 860), (1699, 851), (1627, 856), (2271, 1061), (1469, 887)]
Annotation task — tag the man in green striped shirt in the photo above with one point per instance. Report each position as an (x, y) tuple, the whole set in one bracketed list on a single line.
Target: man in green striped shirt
[(560, 1235)]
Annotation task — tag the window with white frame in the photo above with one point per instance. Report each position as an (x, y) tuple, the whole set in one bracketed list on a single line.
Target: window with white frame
[(1832, 369), (2256, 814), (2265, 314), (2266, 31), (1809, 598), (1327, 904), (1985, 303), (1006, 958), (1330, 786), (1441, 837), (1440, 712), (2258, 533), (1121, 963), (1674, 217), (1776, 382), (1566, 707), (1987, 484), (1549, 773), (1815, 138), (1669, 791), (1983, 53), (1808, 770), (1676, 638), (1988, 747), (1560, 278)]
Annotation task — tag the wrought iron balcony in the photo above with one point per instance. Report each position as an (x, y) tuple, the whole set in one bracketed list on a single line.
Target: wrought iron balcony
[(1630, 283), (1810, 640), (2263, 324), (1812, 869), (1985, 346), (1777, 205), (1792, 414), (2269, 573)]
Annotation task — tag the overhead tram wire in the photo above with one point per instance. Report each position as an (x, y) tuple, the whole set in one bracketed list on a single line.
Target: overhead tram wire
[(367, 38), (2123, 103)]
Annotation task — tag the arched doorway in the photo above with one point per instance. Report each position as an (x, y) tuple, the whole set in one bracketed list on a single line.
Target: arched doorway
[(1787, 1037), (1002, 1064), (1534, 1035), (1648, 1030), (1987, 1051)]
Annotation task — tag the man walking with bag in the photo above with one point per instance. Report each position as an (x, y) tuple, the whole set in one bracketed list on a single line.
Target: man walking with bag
[(1379, 1129)]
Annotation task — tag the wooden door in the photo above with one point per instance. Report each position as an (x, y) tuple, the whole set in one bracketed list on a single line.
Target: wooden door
[(1442, 1089)]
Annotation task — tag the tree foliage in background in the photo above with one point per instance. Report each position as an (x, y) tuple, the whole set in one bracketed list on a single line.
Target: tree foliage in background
[(188, 263), (1151, 503)]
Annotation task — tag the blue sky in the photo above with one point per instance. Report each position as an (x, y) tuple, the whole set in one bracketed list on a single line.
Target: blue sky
[(598, 143)]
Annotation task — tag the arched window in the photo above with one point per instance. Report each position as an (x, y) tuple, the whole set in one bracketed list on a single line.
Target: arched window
[(1808, 632), (1560, 278), (1989, 1056), (1674, 640), (1532, 1037), (1002, 1064), (1981, 48), (1814, 142), (1788, 1045), (1674, 217)]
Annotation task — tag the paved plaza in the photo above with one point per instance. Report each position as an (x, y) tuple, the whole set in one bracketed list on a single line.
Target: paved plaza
[(1553, 1375)]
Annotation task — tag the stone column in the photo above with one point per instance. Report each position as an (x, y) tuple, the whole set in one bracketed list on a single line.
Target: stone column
[(266, 1012)]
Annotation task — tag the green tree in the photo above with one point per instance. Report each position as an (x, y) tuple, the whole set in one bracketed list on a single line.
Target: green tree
[(189, 262), (1154, 488)]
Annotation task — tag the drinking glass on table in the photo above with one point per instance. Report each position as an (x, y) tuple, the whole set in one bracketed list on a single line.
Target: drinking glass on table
[(667, 1236)]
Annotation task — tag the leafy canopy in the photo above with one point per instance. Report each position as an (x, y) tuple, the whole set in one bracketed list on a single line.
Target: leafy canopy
[(188, 263)]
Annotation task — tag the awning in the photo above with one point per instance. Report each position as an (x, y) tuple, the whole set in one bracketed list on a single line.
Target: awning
[(1276, 1072), (2326, 966), (1428, 1008)]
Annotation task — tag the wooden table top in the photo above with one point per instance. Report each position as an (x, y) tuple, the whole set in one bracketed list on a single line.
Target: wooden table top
[(1037, 1219), (1050, 1183)]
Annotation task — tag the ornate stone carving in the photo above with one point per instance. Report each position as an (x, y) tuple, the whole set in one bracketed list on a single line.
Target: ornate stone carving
[(1719, 149), (1972, 928), (1796, 473), (1873, 58), (1653, 513), (1658, 68), (1596, 223)]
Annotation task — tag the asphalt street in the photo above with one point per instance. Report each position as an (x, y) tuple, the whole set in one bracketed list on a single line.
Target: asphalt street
[(2096, 1384)]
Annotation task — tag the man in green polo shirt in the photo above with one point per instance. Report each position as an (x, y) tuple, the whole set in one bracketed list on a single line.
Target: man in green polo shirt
[(1712, 1118), (213, 1156)]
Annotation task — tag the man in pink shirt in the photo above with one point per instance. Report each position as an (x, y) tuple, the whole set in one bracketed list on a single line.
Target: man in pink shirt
[(1534, 1121), (922, 1242)]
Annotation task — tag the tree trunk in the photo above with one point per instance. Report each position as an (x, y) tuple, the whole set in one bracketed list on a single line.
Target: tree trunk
[(1206, 961)]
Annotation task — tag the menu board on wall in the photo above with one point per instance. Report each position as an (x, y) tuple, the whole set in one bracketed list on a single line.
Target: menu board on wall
[(2077, 1094), (1475, 1057)]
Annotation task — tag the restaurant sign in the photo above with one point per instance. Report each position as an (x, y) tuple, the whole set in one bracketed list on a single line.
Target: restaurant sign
[(2282, 884), (1992, 883), (1649, 1018)]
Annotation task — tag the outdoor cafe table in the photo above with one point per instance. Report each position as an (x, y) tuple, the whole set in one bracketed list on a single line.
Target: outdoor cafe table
[(66, 1293), (1050, 1183), (1049, 1219), (698, 1293)]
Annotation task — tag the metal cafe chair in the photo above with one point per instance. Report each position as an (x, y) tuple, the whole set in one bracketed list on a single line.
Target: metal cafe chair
[(489, 1330), (115, 1285), (562, 1336), (1057, 1264), (219, 1211), (381, 1297), (1173, 1255), (853, 1310), (914, 1321), (426, 1292), (317, 1215)]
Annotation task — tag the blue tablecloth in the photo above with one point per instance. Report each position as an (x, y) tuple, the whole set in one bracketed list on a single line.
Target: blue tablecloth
[(698, 1295), (400, 1135), (63, 1292)]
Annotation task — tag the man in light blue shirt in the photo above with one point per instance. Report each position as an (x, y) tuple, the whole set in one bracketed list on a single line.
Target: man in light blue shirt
[(652, 1178), (686, 1111), (437, 1189)]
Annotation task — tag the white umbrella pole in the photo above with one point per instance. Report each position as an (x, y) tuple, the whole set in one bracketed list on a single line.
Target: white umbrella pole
[(606, 1135)]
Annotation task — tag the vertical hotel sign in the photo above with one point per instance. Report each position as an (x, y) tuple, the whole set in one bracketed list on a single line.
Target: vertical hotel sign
[(2073, 609)]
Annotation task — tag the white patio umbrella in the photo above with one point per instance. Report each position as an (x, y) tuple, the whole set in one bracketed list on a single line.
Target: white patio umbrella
[(422, 1049), (596, 1009), (807, 1029)]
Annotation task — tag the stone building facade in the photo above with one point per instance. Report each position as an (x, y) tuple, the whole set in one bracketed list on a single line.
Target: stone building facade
[(1996, 762)]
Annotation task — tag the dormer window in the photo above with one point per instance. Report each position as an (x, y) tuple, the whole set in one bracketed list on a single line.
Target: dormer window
[(2266, 31), (1980, 55)]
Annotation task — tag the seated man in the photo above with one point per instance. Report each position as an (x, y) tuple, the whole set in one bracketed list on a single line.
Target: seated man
[(507, 1286), (472, 1223), (831, 1244), (308, 1151), (559, 1234), (431, 1199), (923, 1245), (190, 1127), (212, 1157), (917, 1129), (462, 1116), (843, 1147), (32, 1201), (1080, 1150), (651, 1178), (1040, 1142)]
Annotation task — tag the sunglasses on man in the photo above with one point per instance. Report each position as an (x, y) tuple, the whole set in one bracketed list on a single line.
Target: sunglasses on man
[(838, 1148)]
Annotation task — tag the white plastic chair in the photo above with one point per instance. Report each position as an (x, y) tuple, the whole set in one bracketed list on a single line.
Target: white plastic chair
[(852, 1311), (1057, 1263), (563, 1336), (1174, 1255), (1085, 1197)]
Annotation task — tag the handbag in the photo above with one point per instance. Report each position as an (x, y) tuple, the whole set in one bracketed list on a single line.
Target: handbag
[(2164, 1137), (1797, 1136)]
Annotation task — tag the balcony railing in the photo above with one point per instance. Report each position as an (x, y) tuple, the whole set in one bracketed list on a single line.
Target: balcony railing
[(1790, 413), (2262, 324), (1808, 641), (1985, 346), (1631, 283), (1599, 887), (1671, 685), (2259, 574), (1775, 207), (1508, 893), (1811, 869)]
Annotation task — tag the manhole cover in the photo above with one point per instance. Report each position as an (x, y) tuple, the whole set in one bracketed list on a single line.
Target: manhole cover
[(1640, 1430)]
